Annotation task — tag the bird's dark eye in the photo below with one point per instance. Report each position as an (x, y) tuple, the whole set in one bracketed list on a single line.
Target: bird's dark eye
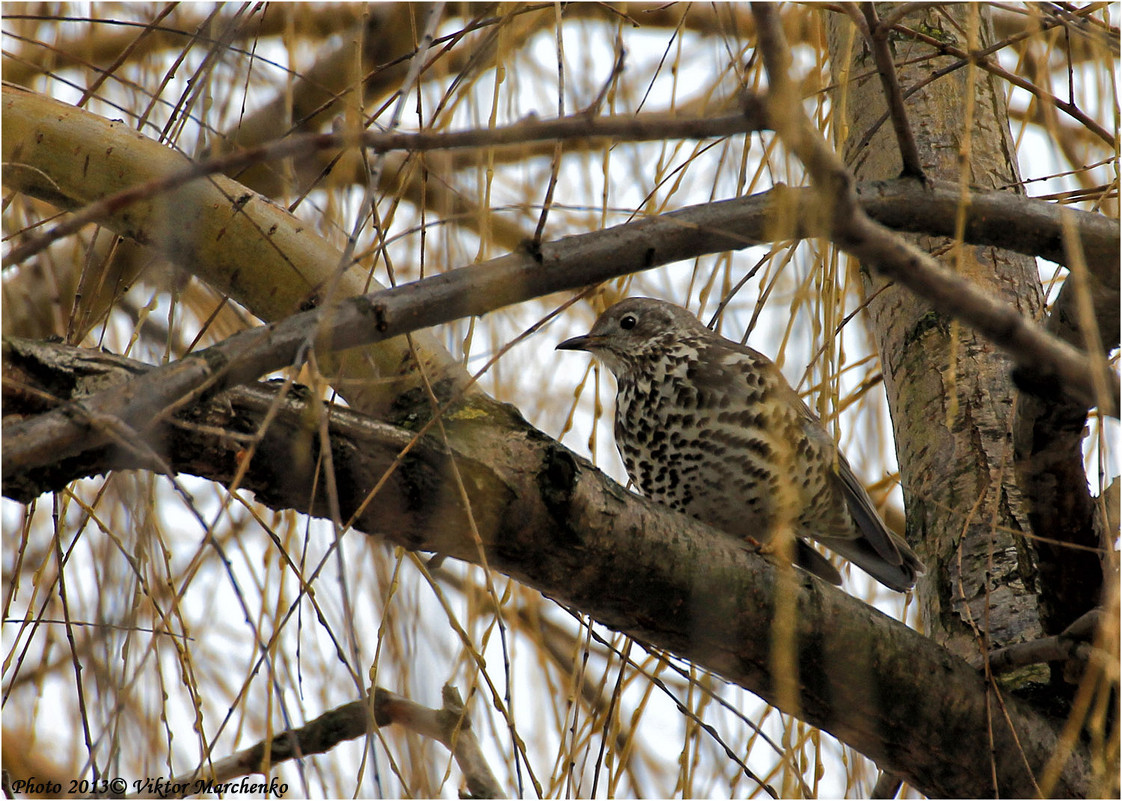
[(627, 322)]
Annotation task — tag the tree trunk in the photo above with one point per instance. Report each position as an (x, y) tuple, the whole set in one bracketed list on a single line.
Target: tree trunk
[(949, 391)]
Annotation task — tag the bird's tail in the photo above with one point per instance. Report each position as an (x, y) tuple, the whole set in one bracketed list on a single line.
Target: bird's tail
[(900, 577)]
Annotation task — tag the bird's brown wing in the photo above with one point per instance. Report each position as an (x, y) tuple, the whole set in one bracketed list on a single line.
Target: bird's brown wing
[(864, 515), (880, 553), (876, 550)]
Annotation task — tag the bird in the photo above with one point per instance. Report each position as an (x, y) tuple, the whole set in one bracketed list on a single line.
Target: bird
[(710, 428)]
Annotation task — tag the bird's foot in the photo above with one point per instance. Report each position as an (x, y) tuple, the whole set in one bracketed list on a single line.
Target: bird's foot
[(755, 546)]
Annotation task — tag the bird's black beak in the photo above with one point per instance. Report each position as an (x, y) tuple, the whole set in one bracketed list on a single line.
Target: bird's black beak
[(576, 343)]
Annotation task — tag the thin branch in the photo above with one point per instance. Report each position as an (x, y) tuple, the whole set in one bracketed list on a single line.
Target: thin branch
[(448, 725), (1074, 642), (894, 98), (983, 60), (1034, 652)]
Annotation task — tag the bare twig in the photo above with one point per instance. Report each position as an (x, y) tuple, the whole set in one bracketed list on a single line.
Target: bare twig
[(982, 59), (878, 42), (448, 725), (1073, 643), (1046, 649)]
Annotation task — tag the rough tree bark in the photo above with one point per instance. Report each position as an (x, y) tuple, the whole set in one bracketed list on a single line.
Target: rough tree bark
[(949, 391)]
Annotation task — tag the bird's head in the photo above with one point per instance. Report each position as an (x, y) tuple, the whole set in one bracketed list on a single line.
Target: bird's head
[(635, 329)]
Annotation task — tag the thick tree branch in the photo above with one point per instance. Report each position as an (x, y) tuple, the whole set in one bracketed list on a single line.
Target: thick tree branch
[(550, 519), (1048, 432), (636, 128), (1002, 220)]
